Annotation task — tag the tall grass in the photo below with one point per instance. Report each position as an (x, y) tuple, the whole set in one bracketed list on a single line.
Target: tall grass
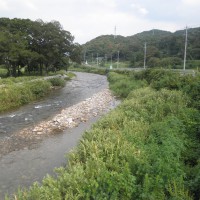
[(13, 80), (95, 70), (123, 84), (13, 96), (16, 92)]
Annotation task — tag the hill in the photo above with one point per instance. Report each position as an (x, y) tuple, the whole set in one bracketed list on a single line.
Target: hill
[(163, 47)]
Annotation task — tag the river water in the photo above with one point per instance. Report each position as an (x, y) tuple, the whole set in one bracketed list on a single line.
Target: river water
[(78, 89), (27, 165)]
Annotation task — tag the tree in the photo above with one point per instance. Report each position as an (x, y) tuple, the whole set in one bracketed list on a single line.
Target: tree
[(35, 45)]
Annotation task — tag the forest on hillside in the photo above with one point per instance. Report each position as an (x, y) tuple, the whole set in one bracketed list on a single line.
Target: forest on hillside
[(163, 48), (37, 47)]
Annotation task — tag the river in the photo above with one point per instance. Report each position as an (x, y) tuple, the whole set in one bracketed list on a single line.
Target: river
[(24, 166)]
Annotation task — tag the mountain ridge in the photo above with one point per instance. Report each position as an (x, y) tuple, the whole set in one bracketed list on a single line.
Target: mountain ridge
[(160, 44)]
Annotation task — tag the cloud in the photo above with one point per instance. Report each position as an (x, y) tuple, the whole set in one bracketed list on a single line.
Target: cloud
[(29, 4), (87, 19), (141, 10), (3, 5), (191, 2)]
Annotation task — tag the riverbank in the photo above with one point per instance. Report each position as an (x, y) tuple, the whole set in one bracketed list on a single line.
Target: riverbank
[(16, 92), (67, 118), (147, 148)]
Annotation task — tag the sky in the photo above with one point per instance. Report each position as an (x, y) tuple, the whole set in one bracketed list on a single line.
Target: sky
[(88, 19)]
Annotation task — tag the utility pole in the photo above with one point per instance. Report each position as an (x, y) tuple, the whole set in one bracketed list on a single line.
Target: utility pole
[(84, 56), (97, 60), (145, 54), (186, 34), (115, 32), (92, 58), (111, 61), (105, 59), (117, 59)]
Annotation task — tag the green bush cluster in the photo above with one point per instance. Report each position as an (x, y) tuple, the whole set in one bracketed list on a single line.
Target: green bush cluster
[(15, 92), (122, 84), (159, 79), (13, 80), (57, 81), (15, 95), (3, 72), (94, 70), (138, 151)]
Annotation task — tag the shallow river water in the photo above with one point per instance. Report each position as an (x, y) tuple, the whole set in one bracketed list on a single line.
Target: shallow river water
[(27, 165)]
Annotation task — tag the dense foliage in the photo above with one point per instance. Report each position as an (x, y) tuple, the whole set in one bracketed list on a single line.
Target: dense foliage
[(164, 49), (36, 45), (147, 148)]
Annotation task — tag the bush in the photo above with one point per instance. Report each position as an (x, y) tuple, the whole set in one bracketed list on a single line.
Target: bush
[(123, 84), (13, 96), (3, 72), (95, 70), (57, 81)]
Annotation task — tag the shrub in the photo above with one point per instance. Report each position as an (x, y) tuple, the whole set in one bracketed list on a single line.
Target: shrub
[(13, 96), (57, 81), (122, 85)]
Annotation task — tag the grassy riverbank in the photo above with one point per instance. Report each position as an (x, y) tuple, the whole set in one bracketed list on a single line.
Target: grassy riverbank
[(15, 92), (94, 70), (147, 148)]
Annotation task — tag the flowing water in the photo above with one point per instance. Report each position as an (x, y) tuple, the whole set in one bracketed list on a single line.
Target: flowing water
[(27, 165)]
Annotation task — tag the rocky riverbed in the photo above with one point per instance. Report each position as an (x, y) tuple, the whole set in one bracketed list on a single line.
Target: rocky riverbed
[(70, 117)]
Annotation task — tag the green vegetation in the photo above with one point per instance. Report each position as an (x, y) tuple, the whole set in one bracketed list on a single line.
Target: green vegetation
[(55, 81), (164, 49), (95, 70), (147, 148), (15, 92), (122, 85), (13, 80), (35, 47), (188, 84), (3, 72)]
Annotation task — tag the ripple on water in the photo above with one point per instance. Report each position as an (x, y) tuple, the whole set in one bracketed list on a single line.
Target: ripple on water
[(12, 115), (42, 106)]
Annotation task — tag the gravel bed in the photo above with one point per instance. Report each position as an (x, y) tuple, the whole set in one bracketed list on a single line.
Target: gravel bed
[(70, 117)]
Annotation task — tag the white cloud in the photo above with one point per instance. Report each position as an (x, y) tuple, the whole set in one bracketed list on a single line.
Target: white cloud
[(87, 19), (141, 10), (191, 2), (3, 5), (29, 4)]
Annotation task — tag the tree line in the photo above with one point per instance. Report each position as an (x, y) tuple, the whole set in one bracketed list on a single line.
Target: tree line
[(36, 46), (163, 48)]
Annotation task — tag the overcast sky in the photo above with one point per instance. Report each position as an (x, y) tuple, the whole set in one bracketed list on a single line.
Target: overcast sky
[(87, 19)]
